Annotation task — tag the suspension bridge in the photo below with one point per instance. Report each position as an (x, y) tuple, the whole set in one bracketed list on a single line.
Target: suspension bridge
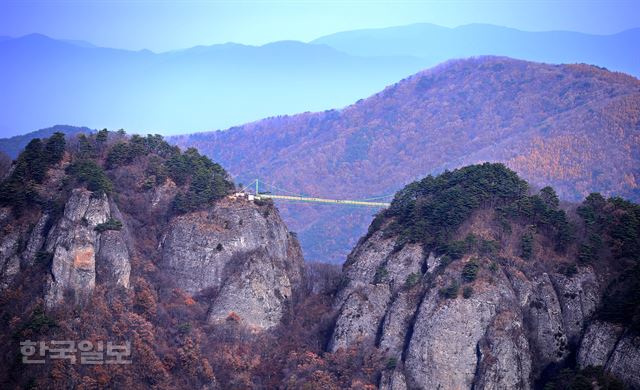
[(262, 190)]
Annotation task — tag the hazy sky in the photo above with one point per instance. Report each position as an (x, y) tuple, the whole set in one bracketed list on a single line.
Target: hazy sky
[(173, 24)]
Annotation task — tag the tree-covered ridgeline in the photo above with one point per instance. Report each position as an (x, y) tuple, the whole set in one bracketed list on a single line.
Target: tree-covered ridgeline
[(93, 158), (605, 232), (431, 210), (18, 190)]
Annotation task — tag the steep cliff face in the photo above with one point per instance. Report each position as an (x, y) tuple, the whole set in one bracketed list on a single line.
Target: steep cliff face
[(612, 347), (467, 281), (516, 322), (237, 252), (234, 251), (129, 240), (9, 247), (82, 252), (480, 314), (241, 252)]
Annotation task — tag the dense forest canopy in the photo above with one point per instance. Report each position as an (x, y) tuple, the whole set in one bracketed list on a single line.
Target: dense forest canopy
[(94, 158)]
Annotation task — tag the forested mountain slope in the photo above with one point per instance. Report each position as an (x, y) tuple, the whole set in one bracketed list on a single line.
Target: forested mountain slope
[(107, 238), (576, 127)]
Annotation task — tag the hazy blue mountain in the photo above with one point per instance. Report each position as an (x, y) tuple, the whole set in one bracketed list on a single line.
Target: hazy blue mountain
[(79, 43), (13, 146), (436, 44), (50, 81)]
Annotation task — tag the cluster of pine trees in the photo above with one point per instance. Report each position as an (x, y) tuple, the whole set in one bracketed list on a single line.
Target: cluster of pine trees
[(19, 188)]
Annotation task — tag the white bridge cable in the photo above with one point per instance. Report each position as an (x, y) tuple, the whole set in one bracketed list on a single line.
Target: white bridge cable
[(243, 189), (297, 197), (302, 195), (284, 190), (378, 197)]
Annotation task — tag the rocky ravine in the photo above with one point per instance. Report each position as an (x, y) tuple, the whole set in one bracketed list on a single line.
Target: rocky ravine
[(520, 319)]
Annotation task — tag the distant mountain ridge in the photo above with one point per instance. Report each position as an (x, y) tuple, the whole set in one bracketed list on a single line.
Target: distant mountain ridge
[(436, 44), (217, 86), (12, 146), (200, 88), (576, 127)]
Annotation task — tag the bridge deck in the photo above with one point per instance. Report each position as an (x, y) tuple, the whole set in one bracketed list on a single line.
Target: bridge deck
[(322, 200)]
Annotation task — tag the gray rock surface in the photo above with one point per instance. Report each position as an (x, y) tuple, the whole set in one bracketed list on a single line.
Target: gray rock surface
[(518, 320), (612, 347), (579, 296), (598, 342), (18, 246), (544, 315), (504, 355), (75, 243), (397, 322), (376, 277), (393, 380), (360, 316), (9, 247), (36, 241), (243, 253), (9, 257), (624, 361), (113, 266), (446, 349)]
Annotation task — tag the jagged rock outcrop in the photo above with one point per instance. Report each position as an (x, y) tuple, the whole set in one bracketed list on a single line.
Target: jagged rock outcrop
[(9, 257), (510, 299), (462, 342), (518, 320), (82, 254), (113, 264), (614, 348), (375, 274), (504, 360), (579, 296), (598, 342), (36, 240), (18, 246), (541, 306), (242, 253)]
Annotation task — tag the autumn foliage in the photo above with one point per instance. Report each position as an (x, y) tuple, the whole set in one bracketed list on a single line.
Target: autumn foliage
[(574, 127), (173, 346)]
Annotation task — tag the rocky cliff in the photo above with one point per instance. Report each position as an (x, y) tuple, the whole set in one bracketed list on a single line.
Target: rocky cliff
[(130, 240), (474, 311), (238, 252), (86, 249), (469, 280), (9, 248), (241, 252), (613, 347)]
